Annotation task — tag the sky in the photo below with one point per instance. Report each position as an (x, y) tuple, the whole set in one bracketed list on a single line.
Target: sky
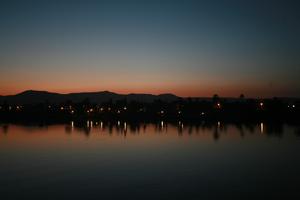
[(188, 47)]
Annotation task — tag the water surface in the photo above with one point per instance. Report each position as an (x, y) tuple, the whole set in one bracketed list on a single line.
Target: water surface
[(101, 160)]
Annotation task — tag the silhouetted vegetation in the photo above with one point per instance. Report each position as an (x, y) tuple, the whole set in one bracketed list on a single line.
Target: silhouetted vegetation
[(192, 109)]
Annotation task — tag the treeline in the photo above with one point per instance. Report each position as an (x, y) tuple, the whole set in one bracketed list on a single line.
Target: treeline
[(215, 108)]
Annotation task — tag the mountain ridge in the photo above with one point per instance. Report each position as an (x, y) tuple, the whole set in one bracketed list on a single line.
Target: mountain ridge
[(40, 96)]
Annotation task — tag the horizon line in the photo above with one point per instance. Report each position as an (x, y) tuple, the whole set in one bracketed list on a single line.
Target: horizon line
[(167, 93)]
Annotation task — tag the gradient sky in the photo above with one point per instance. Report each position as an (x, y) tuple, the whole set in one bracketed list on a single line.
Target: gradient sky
[(189, 48)]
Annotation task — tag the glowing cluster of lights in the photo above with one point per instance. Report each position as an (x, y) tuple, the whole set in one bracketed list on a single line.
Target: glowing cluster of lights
[(292, 106)]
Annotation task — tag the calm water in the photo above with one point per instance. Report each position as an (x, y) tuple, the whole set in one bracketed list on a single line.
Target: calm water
[(98, 160)]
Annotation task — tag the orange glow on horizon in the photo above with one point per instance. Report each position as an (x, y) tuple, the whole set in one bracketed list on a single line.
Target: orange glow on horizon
[(188, 90)]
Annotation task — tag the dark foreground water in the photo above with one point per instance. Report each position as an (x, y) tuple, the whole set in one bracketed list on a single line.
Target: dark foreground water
[(98, 160)]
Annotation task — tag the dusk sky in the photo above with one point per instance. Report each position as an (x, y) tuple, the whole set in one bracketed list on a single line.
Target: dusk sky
[(189, 48)]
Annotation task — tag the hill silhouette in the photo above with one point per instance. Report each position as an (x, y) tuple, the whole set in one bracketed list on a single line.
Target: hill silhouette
[(34, 97)]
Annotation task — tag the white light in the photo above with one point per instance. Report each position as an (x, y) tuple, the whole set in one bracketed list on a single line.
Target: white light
[(262, 127), (294, 106), (125, 126)]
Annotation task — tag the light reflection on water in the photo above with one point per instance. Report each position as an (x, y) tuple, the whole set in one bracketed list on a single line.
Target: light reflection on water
[(180, 160), (216, 130)]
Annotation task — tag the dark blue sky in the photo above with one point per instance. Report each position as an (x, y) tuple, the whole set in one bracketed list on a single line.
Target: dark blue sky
[(190, 48)]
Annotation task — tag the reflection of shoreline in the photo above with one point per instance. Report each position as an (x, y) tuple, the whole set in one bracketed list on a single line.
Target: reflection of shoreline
[(123, 128)]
